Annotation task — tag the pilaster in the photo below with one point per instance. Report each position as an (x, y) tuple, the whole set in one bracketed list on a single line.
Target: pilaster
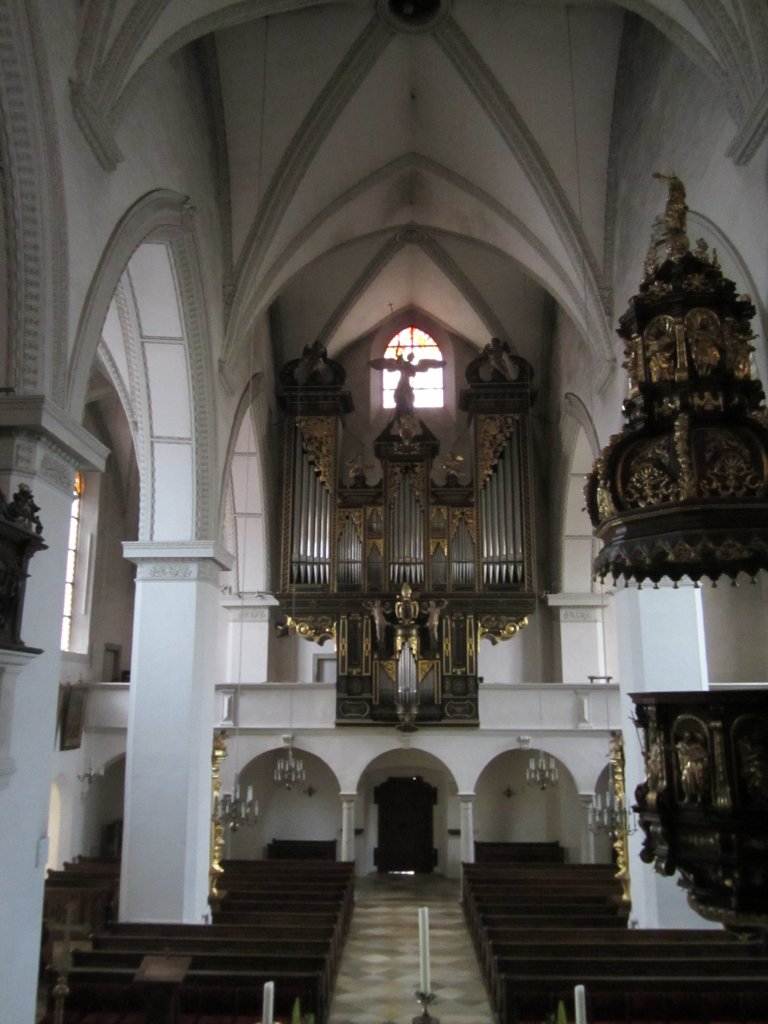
[(168, 790), (248, 635), (661, 643), (348, 801), (467, 826), (41, 447), (581, 635)]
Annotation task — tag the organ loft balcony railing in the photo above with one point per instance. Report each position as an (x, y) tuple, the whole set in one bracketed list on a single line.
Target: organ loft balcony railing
[(356, 545)]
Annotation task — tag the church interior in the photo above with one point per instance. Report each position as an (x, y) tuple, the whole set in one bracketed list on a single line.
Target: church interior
[(351, 353)]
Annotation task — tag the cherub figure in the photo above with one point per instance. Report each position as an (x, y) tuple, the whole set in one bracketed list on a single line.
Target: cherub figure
[(356, 471), (452, 465)]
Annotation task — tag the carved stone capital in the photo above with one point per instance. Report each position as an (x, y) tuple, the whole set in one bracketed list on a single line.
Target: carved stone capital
[(183, 561), (38, 439), (249, 608)]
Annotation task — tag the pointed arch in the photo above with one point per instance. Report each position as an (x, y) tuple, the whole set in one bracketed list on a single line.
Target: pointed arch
[(244, 502), (165, 220)]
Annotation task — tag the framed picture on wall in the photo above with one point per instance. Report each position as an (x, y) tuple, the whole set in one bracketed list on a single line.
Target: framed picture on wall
[(72, 705)]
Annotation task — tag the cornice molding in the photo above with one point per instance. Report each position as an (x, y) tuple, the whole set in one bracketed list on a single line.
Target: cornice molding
[(177, 553), (38, 416), (33, 198)]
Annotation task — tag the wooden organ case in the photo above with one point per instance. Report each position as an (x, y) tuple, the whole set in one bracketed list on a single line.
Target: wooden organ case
[(407, 575)]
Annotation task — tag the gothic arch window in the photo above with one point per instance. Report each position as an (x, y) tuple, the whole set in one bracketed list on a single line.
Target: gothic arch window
[(413, 343), (72, 552)]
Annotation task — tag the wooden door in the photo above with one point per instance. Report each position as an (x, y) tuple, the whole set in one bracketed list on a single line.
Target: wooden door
[(405, 825)]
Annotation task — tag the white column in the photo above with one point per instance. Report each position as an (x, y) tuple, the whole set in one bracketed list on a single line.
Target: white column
[(587, 836), (467, 826), (582, 647), (42, 448), (248, 636), (348, 826), (166, 842), (661, 644)]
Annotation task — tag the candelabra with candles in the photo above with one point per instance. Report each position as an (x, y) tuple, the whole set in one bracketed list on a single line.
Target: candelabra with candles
[(542, 771), (608, 814), (289, 769), (235, 810)]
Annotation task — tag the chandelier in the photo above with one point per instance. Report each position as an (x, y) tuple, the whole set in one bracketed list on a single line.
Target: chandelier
[(608, 815), (542, 771), (235, 810), (289, 769), (682, 491)]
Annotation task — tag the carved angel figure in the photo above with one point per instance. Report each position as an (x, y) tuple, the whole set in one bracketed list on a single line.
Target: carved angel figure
[(313, 365), (404, 403), (497, 357)]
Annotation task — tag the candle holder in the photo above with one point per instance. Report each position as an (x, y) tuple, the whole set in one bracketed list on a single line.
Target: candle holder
[(426, 999)]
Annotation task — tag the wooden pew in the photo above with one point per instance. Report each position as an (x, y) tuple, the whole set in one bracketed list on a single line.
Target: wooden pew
[(301, 849), (100, 990), (536, 852), (281, 920), (639, 969), (615, 998), (218, 963)]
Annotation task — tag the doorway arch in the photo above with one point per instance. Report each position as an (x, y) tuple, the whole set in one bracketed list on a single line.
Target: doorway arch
[(405, 825)]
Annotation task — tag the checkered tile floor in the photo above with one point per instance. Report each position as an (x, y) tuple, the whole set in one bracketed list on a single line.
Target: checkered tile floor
[(379, 971)]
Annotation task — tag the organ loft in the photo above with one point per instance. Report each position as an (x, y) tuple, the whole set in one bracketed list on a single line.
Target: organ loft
[(411, 561)]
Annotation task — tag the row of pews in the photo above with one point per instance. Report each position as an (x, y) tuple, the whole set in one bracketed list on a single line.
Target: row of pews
[(283, 921), (541, 929)]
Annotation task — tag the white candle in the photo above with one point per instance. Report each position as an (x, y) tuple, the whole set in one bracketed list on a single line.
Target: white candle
[(424, 984), (268, 1002), (580, 1004)]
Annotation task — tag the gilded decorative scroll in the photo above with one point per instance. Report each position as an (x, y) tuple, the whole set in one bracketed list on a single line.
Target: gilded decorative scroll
[(620, 838), (500, 627), (316, 628), (318, 435), (491, 433), (355, 515)]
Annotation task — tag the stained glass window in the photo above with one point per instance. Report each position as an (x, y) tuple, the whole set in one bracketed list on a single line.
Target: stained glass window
[(428, 384)]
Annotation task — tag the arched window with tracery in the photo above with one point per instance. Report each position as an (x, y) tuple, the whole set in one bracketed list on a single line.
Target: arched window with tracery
[(414, 345)]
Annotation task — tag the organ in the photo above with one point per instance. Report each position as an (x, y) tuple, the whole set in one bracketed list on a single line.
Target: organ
[(406, 572)]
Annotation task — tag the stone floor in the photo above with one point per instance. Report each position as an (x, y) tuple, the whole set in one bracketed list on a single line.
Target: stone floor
[(379, 971)]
